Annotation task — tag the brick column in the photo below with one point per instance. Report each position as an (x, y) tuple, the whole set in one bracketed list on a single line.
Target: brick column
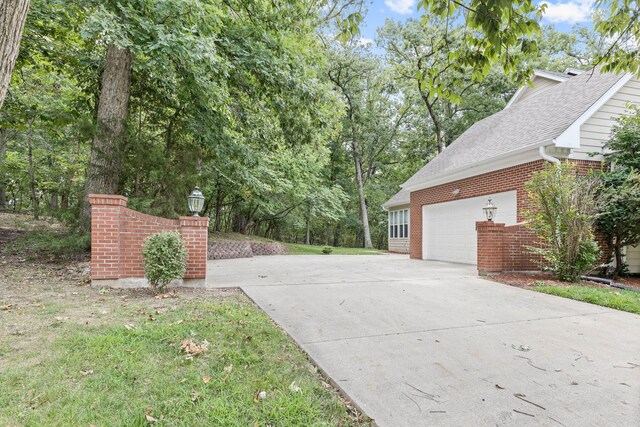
[(490, 247), (194, 231), (105, 235)]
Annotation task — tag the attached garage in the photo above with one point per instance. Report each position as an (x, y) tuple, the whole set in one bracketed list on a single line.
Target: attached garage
[(449, 228)]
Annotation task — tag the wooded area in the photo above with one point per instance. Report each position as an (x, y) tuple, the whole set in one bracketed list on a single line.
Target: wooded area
[(292, 126)]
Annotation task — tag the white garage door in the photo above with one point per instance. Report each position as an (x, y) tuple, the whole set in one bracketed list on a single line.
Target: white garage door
[(449, 228)]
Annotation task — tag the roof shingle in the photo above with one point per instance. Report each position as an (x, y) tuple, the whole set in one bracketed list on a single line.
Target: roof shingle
[(541, 117)]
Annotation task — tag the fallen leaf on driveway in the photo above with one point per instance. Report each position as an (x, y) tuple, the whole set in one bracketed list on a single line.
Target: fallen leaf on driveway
[(499, 387), (520, 347)]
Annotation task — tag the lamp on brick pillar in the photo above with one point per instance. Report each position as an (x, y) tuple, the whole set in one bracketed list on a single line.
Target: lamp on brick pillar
[(196, 201), (490, 210)]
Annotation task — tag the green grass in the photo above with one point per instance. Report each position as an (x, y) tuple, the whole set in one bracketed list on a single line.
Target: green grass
[(299, 249), (113, 376), (50, 242), (613, 298)]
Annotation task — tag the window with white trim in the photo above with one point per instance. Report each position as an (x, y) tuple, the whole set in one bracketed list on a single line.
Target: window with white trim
[(399, 224)]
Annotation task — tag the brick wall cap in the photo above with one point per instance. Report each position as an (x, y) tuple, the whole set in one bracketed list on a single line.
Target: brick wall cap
[(488, 224), (194, 221), (107, 199)]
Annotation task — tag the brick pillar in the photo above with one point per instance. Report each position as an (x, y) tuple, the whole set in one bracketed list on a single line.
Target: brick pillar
[(194, 231), (490, 247), (105, 235)]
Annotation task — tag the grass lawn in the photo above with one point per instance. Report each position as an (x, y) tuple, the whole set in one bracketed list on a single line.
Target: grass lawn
[(608, 297), (72, 355), (299, 249)]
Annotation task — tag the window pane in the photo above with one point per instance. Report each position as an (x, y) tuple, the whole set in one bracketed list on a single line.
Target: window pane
[(401, 231), (406, 230), (395, 230)]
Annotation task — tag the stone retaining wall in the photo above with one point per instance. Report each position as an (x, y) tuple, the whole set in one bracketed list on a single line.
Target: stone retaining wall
[(231, 250)]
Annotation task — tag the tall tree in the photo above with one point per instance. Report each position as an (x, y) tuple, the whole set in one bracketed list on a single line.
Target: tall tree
[(13, 13), (103, 172)]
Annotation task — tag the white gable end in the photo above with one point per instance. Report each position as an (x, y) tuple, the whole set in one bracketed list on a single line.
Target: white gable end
[(596, 130)]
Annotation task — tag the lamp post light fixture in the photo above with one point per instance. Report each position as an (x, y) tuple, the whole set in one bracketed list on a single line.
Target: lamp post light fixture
[(196, 201), (490, 210)]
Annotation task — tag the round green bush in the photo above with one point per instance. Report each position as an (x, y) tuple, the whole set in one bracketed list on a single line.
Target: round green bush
[(327, 250), (165, 259)]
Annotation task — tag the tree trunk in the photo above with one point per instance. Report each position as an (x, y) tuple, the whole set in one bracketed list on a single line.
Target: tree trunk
[(103, 173), (218, 207), (308, 238), (364, 216), (617, 248), (13, 13), (4, 137), (434, 119), (32, 174)]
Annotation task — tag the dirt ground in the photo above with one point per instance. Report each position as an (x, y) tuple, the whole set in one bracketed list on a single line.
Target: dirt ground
[(522, 280), (36, 297)]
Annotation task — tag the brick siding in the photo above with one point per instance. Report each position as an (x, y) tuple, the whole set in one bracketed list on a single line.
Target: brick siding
[(516, 237), (118, 234)]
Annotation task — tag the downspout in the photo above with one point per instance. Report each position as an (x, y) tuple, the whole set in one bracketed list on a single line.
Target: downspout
[(547, 157)]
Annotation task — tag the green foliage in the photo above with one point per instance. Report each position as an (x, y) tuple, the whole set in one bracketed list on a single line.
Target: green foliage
[(327, 250), (50, 242), (619, 24), (613, 298), (619, 216), (564, 206), (165, 259)]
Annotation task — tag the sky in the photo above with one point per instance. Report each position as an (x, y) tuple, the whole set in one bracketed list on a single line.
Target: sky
[(562, 14)]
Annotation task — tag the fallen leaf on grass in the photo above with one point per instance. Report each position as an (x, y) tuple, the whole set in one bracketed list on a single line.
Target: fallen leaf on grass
[(260, 395), (294, 387), (87, 372), (150, 418), (192, 348), (130, 326), (7, 307), (228, 368), (206, 379)]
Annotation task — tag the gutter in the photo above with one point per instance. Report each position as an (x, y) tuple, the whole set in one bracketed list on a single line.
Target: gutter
[(547, 157)]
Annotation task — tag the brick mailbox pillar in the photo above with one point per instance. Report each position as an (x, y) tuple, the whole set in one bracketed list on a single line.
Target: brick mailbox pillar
[(490, 247), (194, 231)]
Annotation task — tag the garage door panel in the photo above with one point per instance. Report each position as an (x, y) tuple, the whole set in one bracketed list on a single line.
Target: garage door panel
[(449, 228)]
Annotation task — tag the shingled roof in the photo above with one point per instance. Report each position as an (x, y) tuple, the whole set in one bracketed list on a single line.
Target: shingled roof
[(400, 198), (539, 118)]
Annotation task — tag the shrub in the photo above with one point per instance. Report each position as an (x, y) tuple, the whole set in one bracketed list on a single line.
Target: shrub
[(327, 250), (564, 207), (165, 259)]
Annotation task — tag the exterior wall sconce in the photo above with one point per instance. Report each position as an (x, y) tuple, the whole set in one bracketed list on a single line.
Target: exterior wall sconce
[(196, 201), (490, 210)]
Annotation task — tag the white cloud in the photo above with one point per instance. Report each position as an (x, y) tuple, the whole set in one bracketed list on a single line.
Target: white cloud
[(571, 12), (365, 41), (403, 7)]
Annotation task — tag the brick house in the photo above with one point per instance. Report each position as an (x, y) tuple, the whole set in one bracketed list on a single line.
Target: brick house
[(563, 116)]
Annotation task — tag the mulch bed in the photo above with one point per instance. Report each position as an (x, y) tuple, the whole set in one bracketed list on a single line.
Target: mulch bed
[(523, 280)]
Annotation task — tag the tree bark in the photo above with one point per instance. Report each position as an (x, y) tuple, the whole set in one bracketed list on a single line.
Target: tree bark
[(103, 173), (308, 238), (364, 216), (4, 137), (32, 174), (13, 13)]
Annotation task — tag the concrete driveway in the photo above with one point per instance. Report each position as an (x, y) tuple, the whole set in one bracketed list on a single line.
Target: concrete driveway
[(418, 343)]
